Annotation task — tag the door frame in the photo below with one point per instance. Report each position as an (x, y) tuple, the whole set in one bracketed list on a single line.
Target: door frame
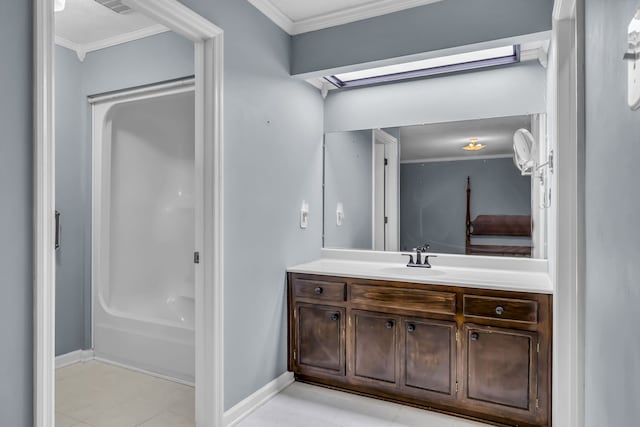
[(391, 183), (567, 261), (208, 67)]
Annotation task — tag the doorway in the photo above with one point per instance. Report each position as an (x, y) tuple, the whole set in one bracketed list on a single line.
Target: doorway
[(207, 41)]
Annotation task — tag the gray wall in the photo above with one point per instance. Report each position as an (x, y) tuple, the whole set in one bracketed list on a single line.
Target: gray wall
[(433, 199), (72, 202), (433, 27), (612, 235), (348, 179), (508, 91), (273, 161), (153, 59), (16, 150)]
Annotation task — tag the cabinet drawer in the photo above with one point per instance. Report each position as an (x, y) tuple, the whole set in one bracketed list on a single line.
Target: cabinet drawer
[(324, 291), (403, 299), (515, 310)]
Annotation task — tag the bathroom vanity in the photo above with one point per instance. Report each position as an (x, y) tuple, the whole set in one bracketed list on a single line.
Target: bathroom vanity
[(470, 342)]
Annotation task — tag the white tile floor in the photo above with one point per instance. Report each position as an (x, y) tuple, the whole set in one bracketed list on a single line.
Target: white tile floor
[(309, 406), (96, 394)]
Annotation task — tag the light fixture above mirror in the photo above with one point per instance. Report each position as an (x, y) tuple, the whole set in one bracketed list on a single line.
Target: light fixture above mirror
[(474, 145)]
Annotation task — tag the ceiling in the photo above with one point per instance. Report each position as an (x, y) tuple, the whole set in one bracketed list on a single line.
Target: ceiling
[(296, 16), (444, 141), (85, 25)]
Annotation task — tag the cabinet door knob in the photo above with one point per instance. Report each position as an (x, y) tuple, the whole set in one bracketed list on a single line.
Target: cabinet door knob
[(475, 336), (499, 310), (318, 290), (389, 324), (335, 316), (411, 327)]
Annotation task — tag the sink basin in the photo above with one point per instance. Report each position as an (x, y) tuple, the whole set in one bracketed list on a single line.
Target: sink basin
[(412, 271)]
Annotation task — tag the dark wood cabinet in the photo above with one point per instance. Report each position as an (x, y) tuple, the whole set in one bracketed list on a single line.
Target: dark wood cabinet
[(501, 370), (375, 337), (320, 336), (481, 354), (429, 358)]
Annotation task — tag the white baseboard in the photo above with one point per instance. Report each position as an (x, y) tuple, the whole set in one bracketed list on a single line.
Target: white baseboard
[(234, 415), (143, 371), (73, 357)]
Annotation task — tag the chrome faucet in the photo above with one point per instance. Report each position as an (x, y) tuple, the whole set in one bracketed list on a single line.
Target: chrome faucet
[(419, 262)]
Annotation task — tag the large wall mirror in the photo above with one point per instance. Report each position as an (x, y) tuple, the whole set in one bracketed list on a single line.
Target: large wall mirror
[(454, 186)]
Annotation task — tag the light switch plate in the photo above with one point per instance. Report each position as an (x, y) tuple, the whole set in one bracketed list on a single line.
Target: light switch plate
[(304, 215)]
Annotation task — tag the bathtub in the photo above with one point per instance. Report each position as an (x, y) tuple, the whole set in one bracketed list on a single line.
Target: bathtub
[(143, 229)]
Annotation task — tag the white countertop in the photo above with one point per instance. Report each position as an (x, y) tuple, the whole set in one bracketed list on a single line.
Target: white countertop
[(448, 271)]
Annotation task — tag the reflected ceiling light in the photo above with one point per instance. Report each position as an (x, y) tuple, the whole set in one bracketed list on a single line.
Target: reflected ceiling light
[(474, 145), (58, 5), (429, 67)]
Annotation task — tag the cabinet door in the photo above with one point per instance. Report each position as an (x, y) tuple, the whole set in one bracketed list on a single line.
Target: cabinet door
[(429, 358), (375, 338), (320, 339), (501, 370)]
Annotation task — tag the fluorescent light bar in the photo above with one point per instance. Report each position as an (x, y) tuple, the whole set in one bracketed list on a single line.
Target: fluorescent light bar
[(429, 67)]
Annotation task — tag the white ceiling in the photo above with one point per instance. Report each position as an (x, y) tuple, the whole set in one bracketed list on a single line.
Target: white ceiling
[(85, 25), (296, 16), (444, 141)]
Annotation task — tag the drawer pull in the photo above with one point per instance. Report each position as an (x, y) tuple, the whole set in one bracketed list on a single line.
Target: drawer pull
[(318, 290), (335, 316), (475, 336), (411, 327), (499, 310), (389, 324)]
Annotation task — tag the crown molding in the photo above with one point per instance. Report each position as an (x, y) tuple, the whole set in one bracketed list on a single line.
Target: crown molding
[(384, 137), (275, 14), (333, 19), (564, 9), (80, 52), (82, 49)]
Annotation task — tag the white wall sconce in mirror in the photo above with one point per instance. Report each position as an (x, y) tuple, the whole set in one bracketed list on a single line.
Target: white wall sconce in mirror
[(526, 149), (632, 56), (339, 214), (58, 5), (523, 150)]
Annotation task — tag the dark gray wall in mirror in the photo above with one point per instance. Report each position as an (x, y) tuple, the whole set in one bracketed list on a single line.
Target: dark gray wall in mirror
[(348, 169), (432, 171), (433, 200)]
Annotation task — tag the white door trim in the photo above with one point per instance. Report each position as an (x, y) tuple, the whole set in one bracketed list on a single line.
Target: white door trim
[(208, 43), (569, 188), (44, 210)]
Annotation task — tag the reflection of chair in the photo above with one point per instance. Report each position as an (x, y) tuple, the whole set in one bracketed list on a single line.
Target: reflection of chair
[(497, 226)]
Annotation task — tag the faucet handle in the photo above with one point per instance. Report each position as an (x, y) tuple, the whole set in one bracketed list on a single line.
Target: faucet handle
[(410, 258), (426, 259)]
